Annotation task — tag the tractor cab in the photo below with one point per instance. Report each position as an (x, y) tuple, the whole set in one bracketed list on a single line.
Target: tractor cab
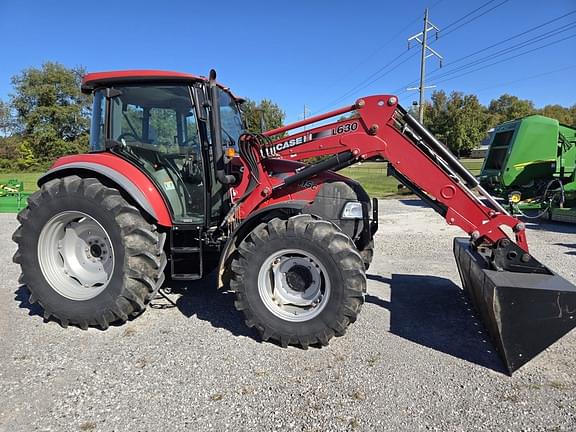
[(159, 121)]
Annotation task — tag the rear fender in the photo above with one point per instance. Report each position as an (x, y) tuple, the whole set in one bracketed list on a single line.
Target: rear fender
[(121, 173)]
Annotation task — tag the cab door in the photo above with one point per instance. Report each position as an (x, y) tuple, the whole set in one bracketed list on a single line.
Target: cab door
[(157, 128)]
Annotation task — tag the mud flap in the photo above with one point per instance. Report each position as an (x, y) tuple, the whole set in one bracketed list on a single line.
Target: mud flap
[(523, 312)]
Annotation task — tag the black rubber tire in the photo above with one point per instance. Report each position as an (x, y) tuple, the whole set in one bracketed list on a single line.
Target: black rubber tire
[(367, 254), (337, 253), (138, 251)]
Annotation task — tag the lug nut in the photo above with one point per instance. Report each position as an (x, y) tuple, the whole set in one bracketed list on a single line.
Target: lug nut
[(525, 258)]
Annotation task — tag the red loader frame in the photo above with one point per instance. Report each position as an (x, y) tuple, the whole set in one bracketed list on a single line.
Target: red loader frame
[(379, 127)]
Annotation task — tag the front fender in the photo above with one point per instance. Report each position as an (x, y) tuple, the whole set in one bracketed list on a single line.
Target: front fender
[(247, 225), (121, 172)]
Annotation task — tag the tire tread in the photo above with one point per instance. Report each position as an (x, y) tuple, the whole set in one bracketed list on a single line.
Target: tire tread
[(145, 259), (329, 237)]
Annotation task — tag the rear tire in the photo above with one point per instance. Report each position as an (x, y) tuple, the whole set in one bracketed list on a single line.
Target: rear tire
[(88, 257), (284, 301)]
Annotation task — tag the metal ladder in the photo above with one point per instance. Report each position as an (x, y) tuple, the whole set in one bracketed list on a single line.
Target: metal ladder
[(186, 260)]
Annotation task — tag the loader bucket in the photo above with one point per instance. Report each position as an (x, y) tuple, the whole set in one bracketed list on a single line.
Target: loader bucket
[(524, 312)]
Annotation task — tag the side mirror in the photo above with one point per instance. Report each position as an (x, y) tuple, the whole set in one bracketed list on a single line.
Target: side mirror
[(202, 103)]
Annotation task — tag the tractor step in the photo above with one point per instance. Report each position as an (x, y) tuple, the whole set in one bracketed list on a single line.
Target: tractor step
[(186, 276), (184, 250), (186, 261)]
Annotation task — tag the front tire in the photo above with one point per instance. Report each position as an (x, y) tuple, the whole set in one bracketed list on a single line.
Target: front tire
[(88, 257), (299, 281), (367, 254)]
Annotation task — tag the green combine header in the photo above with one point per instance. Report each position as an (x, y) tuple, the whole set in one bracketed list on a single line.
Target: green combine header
[(531, 162)]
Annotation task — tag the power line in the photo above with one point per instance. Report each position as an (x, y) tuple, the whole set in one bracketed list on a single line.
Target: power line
[(509, 58), (526, 78), (389, 41), (513, 37), (476, 17), (535, 39), (361, 84), (508, 50), (468, 14), (369, 81)]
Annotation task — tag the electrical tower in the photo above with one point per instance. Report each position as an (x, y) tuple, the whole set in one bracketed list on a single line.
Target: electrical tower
[(422, 38), (304, 113)]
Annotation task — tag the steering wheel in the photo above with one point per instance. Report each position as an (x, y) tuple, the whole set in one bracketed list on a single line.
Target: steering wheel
[(192, 144)]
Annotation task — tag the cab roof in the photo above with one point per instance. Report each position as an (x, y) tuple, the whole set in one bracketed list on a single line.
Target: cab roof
[(94, 80)]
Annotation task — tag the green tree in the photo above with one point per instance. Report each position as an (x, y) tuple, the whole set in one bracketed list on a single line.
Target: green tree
[(272, 113), (436, 115), (572, 116), (458, 120), (508, 107), (52, 113), (6, 119), (562, 114)]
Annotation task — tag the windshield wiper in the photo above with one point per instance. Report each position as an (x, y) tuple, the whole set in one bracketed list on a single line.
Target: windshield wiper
[(230, 139)]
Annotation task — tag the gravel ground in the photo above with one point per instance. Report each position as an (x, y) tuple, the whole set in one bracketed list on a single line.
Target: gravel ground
[(416, 359)]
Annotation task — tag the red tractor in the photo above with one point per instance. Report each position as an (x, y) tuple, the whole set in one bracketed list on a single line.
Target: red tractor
[(174, 185)]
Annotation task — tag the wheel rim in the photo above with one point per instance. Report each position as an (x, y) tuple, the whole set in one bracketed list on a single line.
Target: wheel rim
[(294, 285), (76, 256)]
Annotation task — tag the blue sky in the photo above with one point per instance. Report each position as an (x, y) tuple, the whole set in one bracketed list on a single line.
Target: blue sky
[(298, 53)]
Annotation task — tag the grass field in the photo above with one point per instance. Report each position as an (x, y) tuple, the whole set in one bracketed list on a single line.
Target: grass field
[(372, 175), (29, 179)]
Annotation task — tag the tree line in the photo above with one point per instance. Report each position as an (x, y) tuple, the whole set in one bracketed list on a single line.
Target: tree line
[(461, 122), (47, 116)]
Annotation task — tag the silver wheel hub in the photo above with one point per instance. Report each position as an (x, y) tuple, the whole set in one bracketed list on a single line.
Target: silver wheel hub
[(294, 285), (76, 256)]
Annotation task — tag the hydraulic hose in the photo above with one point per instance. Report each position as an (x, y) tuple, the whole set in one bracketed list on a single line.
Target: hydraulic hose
[(549, 206)]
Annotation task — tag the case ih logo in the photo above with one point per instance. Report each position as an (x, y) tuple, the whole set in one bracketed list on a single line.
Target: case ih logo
[(275, 148)]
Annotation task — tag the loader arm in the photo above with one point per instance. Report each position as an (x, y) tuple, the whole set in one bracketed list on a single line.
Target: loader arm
[(524, 305), (379, 127)]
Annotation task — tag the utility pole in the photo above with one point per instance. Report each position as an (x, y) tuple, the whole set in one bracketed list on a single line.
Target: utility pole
[(262, 122), (422, 38), (306, 110)]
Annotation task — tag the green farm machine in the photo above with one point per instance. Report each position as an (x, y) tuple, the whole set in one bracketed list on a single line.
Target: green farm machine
[(531, 163), (12, 196)]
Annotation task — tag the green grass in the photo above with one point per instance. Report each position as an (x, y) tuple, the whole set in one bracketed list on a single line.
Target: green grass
[(29, 179), (372, 175)]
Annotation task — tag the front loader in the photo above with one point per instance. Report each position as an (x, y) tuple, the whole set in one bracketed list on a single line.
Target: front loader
[(174, 185)]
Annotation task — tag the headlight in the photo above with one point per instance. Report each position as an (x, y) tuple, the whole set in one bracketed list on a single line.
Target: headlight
[(352, 210)]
